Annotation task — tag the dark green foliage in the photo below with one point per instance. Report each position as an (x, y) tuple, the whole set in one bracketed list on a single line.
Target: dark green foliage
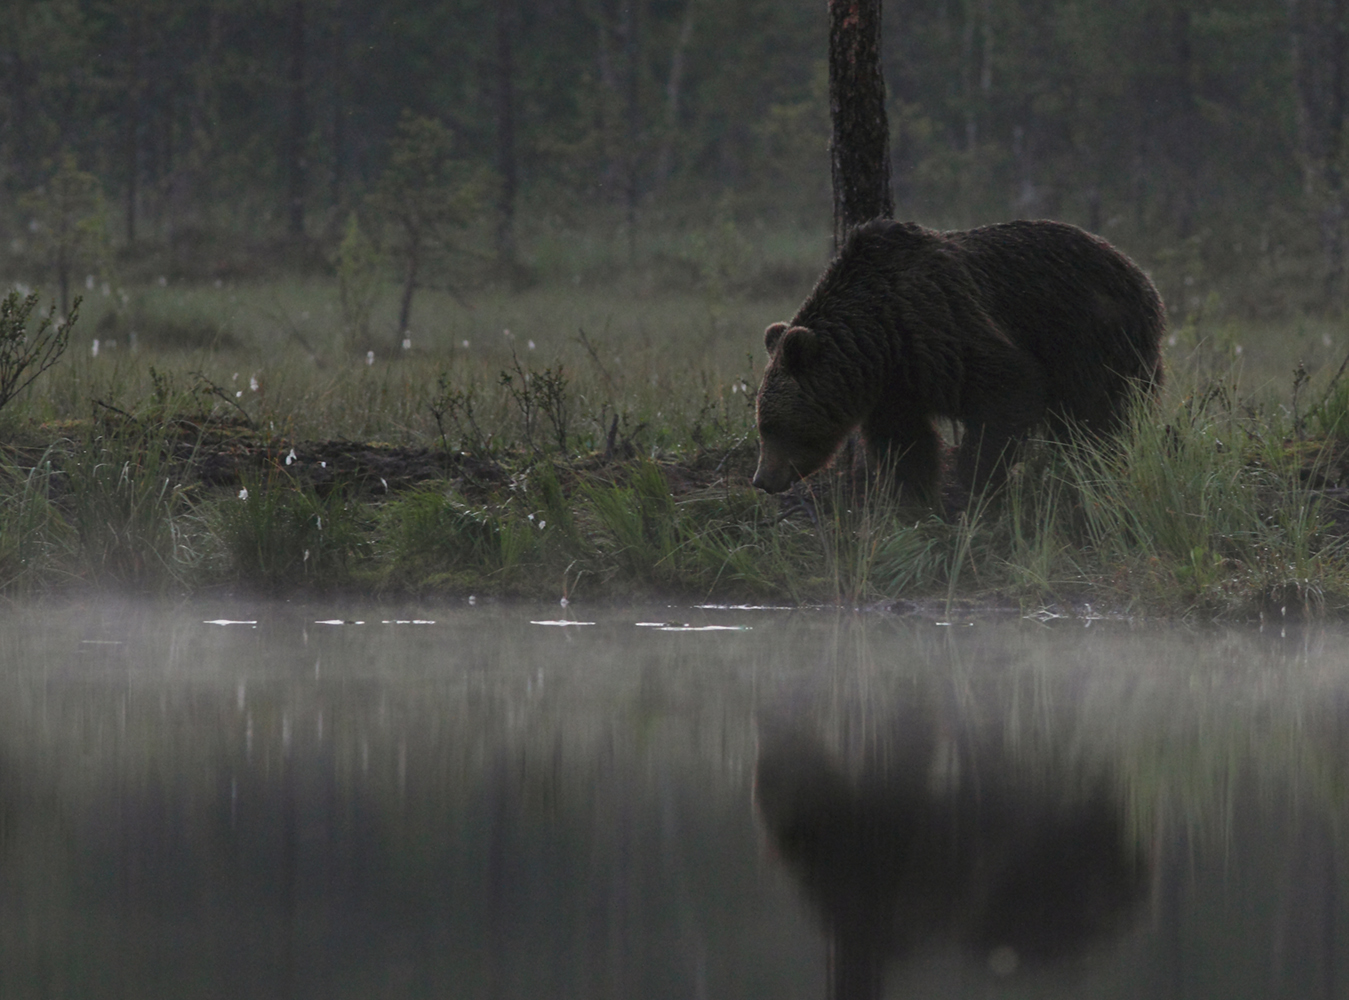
[(68, 225), (25, 354), (539, 396), (33, 534), (422, 202), (458, 405), (432, 531), (122, 492), (641, 520), (1175, 128), (276, 533)]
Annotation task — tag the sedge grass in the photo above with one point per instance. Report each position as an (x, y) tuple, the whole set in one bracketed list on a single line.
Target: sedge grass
[(277, 532), (34, 537), (124, 497), (1220, 500)]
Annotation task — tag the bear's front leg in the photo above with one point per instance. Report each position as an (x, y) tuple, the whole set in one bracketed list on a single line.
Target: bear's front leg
[(1002, 399), (904, 444), (987, 451)]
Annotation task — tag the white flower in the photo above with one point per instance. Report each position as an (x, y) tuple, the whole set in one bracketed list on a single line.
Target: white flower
[(531, 345), (253, 383), (291, 457), (243, 493), (407, 343), (369, 357), (238, 394), (542, 525)]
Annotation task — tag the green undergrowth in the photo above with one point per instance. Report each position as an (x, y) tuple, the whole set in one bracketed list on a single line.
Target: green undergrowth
[(595, 465), (1208, 508)]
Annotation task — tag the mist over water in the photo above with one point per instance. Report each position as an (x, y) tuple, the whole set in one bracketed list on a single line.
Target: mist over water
[(221, 799)]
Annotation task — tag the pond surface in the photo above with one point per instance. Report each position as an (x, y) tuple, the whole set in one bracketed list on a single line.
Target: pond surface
[(224, 799)]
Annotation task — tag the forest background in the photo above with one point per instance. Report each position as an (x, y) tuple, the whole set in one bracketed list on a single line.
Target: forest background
[(468, 297), (232, 137)]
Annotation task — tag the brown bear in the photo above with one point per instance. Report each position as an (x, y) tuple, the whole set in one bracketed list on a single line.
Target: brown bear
[(1003, 328)]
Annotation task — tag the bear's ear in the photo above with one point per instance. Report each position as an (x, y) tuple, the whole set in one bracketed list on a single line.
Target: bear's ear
[(772, 335), (799, 345)]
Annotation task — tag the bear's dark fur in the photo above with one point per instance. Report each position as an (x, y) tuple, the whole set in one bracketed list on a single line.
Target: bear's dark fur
[(1002, 328)]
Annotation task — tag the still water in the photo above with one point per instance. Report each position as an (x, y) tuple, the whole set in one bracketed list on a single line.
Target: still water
[(225, 799)]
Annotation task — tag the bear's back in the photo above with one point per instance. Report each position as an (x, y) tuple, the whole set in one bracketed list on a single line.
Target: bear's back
[(1083, 310)]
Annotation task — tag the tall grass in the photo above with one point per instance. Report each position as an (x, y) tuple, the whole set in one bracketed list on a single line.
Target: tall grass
[(276, 532), (615, 461), (34, 537), (126, 502)]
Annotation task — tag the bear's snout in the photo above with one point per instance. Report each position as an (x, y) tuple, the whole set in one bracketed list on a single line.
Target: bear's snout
[(772, 480)]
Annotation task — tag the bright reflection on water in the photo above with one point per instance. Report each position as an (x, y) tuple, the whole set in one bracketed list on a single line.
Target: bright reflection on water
[(450, 801)]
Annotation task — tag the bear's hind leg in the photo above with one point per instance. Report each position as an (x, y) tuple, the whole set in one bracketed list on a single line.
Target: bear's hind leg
[(906, 447)]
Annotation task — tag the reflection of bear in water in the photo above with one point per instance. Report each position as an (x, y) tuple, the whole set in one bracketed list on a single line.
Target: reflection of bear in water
[(919, 851)]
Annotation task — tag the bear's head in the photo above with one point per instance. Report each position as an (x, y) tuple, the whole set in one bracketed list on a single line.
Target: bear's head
[(797, 433)]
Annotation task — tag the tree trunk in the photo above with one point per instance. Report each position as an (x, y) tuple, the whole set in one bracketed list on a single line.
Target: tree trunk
[(605, 112), (131, 150), (337, 191), (673, 86), (631, 54), (297, 168), (1319, 71), (508, 176), (860, 147), (63, 272), (1184, 127), (21, 82), (414, 255)]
